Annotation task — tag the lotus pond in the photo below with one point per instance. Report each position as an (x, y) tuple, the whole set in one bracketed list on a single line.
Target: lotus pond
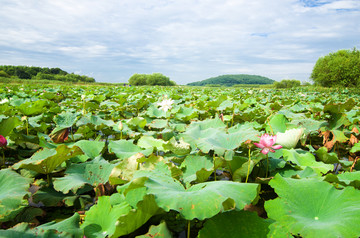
[(178, 162)]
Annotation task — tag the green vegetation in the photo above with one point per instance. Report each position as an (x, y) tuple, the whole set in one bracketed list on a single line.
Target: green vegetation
[(233, 79), (39, 73), (158, 161), (287, 83), (339, 69), (150, 79)]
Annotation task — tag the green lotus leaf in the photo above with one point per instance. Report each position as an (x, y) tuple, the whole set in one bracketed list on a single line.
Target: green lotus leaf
[(221, 142), (13, 191), (125, 148), (94, 120), (345, 179), (327, 158), (208, 124), (235, 224), (178, 147), (200, 201), (227, 104), (158, 124), (91, 149), (308, 124), (66, 119), (186, 113), (48, 196), (123, 172), (7, 125), (157, 231), (33, 108), (149, 142), (304, 158), (101, 219), (277, 124), (313, 208), (47, 160), (128, 223), (65, 228), (340, 107), (78, 175), (197, 168), (154, 112), (355, 148), (24, 231), (137, 122)]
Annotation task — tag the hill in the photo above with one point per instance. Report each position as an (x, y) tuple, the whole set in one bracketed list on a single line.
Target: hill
[(233, 79), (39, 73)]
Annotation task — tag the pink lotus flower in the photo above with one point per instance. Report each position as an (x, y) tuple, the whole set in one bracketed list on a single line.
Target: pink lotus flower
[(266, 144), (3, 141)]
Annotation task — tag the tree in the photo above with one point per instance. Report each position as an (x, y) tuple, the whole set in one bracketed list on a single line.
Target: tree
[(339, 69), (138, 79), (150, 79), (287, 83)]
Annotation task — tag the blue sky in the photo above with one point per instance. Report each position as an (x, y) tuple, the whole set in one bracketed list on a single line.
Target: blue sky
[(186, 40)]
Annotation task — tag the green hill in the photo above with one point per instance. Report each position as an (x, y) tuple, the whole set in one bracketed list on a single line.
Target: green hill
[(233, 79)]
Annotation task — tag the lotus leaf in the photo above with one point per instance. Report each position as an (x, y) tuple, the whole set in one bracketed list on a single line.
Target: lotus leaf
[(313, 208)]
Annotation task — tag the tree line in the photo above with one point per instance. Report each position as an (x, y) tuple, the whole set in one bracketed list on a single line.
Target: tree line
[(41, 73)]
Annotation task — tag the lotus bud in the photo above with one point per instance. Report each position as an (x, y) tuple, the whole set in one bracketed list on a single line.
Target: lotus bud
[(120, 126), (3, 141)]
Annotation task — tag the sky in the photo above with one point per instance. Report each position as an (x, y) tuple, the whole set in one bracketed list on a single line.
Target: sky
[(186, 40)]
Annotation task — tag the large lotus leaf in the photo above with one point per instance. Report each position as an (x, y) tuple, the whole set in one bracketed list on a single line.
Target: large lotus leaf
[(94, 120), (128, 223), (91, 148), (194, 134), (208, 124), (33, 108), (222, 142), (101, 219), (7, 125), (200, 201), (340, 107), (137, 122), (313, 208), (66, 119), (197, 168), (246, 129), (65, 228), (345, 179), (157, 231), (48, 196), (327, 158), (277, 124), (78, 175), (178, 147), (149, 142), (186, 113), (46, 160), (308, 124), (227, 104), (158, 124), (125, 148), (13, 189), (24, 231), (304, 158), (235, 224), (153, 111), (124, 171)]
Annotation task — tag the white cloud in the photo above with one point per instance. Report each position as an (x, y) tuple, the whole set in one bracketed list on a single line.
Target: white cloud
[(187, 40)]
